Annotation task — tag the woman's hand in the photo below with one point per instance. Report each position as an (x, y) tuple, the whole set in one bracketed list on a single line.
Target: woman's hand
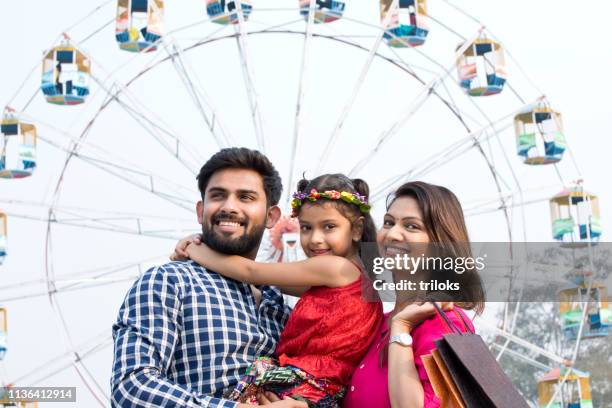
[(416, 313), (180, 251), (405, 388), (270, 399)]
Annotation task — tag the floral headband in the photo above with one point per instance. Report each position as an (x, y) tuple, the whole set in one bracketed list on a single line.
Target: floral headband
[(351, 198)]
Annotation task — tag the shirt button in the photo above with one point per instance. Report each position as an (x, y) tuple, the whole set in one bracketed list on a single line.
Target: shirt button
[(361, 366), (352, 388)]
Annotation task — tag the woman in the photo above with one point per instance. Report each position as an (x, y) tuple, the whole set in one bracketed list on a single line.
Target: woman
[(392, 374)]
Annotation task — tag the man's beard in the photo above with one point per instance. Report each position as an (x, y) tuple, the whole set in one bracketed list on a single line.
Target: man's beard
[(249, 241)]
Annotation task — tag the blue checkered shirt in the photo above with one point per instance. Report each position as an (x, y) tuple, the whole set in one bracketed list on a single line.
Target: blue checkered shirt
[(185, 335)]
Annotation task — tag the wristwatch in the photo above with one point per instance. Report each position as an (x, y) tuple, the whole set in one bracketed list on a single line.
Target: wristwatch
[(403, 339)]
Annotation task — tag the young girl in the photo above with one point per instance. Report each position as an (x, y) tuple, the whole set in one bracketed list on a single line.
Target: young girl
[(332, 325)]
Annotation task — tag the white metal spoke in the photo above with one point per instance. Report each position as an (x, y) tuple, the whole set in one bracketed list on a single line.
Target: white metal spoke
[(130, 225), (524, 343), (201, 100), (65, 360), (126, 171), (356, 88), (470, 212), (86, 275), (98, 30), (85, 17), (438, 159), (249, 78), (300, 97), (414, 106), (533, 362), (169, 140), (71, 286)]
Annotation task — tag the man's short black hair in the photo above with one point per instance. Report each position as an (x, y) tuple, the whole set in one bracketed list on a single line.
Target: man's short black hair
[(243, 158)]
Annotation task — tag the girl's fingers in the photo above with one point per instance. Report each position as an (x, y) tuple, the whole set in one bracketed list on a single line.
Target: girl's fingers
[(271, 397), (193, 239), (297, 403), (181, 247), (261, 398), (177, 257), (444, 305)]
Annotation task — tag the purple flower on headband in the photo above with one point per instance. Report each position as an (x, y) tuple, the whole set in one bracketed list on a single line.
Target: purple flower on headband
[(299, 195), (363, 199)]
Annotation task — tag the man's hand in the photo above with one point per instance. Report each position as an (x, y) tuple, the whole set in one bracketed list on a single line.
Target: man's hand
[(180, 251), (270, 399)]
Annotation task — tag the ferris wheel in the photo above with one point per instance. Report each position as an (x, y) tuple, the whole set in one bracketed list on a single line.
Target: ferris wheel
[(101, 149)]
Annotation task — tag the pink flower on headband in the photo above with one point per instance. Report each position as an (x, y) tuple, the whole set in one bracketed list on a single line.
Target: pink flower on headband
[(334, 195), (314, 195)]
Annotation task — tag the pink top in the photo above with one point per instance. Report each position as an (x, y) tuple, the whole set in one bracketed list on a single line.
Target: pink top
[(369, 386)]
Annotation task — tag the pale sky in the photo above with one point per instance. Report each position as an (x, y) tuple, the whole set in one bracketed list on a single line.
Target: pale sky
[(560, 45)]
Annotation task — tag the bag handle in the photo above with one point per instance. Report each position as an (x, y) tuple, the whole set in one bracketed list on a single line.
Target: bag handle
[(452, 326), (444, 317), (467, 327)]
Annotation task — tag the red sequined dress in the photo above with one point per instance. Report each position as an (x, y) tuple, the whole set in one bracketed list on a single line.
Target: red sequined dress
[(328, 333)]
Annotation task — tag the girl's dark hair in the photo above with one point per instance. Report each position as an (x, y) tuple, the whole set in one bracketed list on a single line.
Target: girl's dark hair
[(340, 182), (445, 225)]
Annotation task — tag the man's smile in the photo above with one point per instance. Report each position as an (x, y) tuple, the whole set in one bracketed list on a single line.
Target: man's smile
[(228, 226)]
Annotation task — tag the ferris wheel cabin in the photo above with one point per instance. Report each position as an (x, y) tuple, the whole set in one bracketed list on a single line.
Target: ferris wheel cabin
[(21, 403), (139, 24), (408, 25), (579, 276), (481, 68), (3, 332), (575, 217), (65, 76), (326, 11), (598, 315), (539, 134), (18, 144), (3, 236), (224, 12), (575, 392)]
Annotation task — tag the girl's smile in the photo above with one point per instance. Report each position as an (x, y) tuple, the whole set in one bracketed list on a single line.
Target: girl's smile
[(318, 252)]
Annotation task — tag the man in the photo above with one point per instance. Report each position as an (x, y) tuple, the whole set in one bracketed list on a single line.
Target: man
[(184, 334)]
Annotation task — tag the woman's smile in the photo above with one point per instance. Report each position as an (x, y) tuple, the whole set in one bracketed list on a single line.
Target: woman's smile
[(392, 250)]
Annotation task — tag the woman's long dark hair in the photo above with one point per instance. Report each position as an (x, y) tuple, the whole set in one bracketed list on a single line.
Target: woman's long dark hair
[(340, 182)]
